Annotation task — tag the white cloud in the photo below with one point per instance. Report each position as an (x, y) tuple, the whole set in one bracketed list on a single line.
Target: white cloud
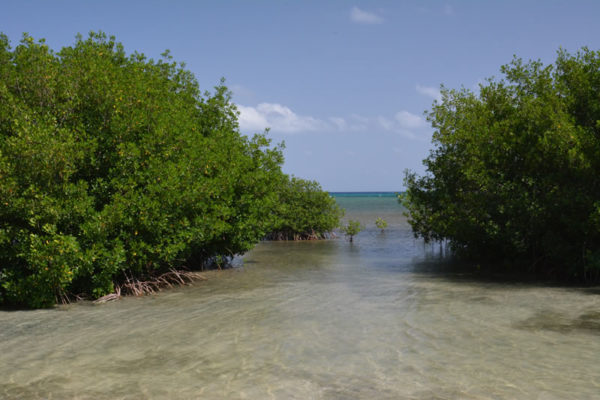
[(354, 123), (277, 117), (385, 123), (339, 123), (281, 119), (359, 123), (363, 17), (251, 119), (408, 120), (432, 92), (405, 123)]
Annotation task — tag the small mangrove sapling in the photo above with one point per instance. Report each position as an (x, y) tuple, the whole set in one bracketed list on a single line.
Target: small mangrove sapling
[(352, 228), (381, 224)]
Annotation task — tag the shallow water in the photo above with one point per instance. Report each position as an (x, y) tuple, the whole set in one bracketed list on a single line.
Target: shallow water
[(382, 318)]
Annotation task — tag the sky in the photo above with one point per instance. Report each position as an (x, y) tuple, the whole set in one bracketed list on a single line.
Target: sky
[(345, 84)]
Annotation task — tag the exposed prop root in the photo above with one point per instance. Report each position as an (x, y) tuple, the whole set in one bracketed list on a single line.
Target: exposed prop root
[(299, 236), (136, 287), (66, 298), (109, 297)]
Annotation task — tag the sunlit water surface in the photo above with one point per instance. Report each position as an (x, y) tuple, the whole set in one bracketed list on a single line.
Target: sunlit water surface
[(382, 318)]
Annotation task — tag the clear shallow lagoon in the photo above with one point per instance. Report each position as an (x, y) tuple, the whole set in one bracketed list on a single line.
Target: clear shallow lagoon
[(382, 318)]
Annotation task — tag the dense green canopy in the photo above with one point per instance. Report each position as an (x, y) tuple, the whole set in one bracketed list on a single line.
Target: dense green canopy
[(304, 211), (115, 166), (514, 175)]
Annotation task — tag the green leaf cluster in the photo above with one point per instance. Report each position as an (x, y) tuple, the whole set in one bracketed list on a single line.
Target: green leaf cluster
[(351, 229), (304, 211), (115, 166), (381, 223), (514, 175)]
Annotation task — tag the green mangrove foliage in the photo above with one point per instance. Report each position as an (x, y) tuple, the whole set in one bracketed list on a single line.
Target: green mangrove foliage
[(304, 211), (381, 223), (515, 170), (351, 229), (115, 167)]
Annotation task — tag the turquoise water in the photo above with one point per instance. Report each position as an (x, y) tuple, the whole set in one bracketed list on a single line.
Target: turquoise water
[(371, 205), (363, 194), (383, 317)]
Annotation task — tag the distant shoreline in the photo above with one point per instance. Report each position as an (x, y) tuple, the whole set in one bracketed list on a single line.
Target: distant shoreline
[(364, 194)]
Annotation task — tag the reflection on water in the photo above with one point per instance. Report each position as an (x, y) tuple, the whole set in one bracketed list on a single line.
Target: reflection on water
[(375, 319)]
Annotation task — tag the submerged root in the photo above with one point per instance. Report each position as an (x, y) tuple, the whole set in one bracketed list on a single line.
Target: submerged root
[(137, 287)]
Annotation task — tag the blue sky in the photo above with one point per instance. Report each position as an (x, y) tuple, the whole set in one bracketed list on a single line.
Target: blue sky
[(343, 83)]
